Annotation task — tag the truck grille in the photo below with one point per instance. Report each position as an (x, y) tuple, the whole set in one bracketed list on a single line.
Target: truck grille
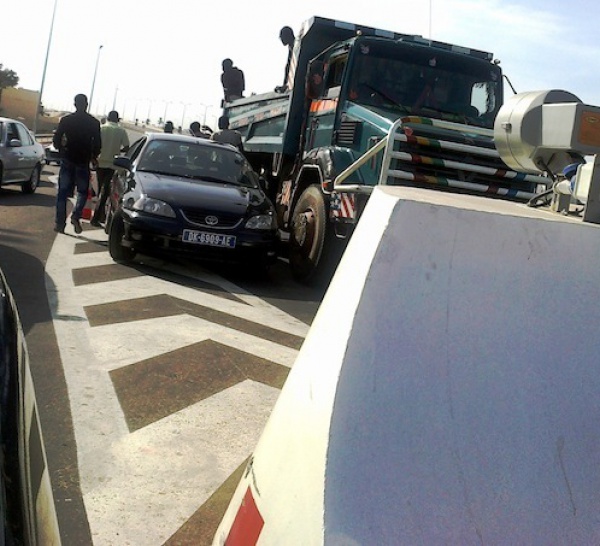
[(425, 152), (347, 134)]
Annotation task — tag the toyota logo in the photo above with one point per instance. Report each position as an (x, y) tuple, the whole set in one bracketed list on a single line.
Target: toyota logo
[(212, 220)]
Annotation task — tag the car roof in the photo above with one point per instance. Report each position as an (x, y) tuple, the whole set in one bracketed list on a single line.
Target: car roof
[(11, 120), (189, 138)]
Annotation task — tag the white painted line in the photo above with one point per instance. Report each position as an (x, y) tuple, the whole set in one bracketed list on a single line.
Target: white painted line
[(118, 345), (167, 471), (139, 488)]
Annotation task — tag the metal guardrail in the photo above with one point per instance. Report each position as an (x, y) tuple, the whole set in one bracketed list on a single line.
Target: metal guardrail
[(44, 138), (358, 188), (397, 135)]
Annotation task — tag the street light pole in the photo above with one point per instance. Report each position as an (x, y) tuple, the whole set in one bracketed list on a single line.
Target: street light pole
[(185, 105), (39, 101), (165, 116), (114, 106), (94, 80), (206, 107)]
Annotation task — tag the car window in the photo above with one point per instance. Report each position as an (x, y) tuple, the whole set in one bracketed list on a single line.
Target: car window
[(224, 164), (24, 135), (156, 156), (12, 132), (135, 148), (198, 161)]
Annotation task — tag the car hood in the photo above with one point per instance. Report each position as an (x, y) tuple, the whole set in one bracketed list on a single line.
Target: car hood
[(183, 192)]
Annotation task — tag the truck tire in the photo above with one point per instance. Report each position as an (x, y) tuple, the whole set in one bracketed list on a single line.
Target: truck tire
[(311, 251)]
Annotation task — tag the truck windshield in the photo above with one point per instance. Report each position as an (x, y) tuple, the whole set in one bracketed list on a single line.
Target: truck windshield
[(425, 81)]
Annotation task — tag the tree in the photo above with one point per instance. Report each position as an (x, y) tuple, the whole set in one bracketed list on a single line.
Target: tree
[(8, 78)]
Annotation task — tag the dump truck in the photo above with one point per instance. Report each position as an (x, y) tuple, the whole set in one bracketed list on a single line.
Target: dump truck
[(361, 107)]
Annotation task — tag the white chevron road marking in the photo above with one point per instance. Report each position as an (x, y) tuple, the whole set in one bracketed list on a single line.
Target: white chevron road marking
[(140, 487), (115, 346)]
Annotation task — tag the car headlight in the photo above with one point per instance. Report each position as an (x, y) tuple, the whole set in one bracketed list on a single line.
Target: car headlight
[(261, 221), (153, 206)]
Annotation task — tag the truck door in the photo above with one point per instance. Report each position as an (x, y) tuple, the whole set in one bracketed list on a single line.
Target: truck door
[(12, 168), (323, 90)]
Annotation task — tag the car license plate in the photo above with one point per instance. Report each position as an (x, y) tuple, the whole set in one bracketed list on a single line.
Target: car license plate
[(210, 239)]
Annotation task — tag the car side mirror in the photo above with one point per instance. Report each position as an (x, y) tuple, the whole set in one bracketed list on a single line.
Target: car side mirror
[(262, 182), (15, 143), (122, 162)]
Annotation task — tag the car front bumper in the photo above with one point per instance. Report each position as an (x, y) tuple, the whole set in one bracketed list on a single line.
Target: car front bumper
[(155, 235)]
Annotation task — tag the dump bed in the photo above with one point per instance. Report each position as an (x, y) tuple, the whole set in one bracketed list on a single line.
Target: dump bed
[(261, 120)]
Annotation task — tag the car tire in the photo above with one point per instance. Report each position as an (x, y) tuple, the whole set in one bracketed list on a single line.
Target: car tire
[(108, 215), (118, 252), (31, 185)]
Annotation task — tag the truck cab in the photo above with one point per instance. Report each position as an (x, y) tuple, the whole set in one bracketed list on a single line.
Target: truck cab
[(359, 88), (353, 91)]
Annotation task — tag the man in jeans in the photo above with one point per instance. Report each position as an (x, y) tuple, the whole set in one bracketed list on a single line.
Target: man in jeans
[(77, 138), (114, 141)]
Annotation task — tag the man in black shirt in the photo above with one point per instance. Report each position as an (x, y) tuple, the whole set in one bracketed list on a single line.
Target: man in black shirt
[(78, 140)]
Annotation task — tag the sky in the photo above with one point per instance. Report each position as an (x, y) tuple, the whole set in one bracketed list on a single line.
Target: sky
[(156, 58)]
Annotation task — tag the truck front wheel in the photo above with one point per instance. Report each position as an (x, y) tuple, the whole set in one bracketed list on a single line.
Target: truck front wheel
[(308, 236)]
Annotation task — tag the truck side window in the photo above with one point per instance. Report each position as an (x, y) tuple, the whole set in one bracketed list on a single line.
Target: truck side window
[(335, 72), (314, 80)]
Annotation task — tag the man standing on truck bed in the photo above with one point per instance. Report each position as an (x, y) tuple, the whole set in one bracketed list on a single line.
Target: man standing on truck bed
[(286, 35), (233, 82)]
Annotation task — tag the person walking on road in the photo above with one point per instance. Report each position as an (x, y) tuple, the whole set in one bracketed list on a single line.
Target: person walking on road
[(78, 141), (114, 141), (227, 135)]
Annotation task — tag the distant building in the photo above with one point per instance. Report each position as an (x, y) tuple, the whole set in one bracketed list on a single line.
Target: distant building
[(18, 103)]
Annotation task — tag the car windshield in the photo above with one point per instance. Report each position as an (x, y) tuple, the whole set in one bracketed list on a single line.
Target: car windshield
[(193, 161)]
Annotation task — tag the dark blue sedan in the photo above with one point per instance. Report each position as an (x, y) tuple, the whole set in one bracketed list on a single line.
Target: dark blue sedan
[(182, 195)]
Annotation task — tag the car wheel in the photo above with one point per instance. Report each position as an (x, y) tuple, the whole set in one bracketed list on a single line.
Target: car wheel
[(118, 252), (108, 215), (310, 242), (31, 185)]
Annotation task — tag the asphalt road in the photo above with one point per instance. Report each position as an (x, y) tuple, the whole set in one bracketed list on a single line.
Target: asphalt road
[(154, 381)]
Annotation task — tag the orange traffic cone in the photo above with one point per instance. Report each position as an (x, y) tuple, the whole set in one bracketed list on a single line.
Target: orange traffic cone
[(90, 204), (88, 210)]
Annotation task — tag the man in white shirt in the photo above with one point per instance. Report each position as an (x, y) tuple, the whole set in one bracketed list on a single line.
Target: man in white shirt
[(114, 141), (227, 135)]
